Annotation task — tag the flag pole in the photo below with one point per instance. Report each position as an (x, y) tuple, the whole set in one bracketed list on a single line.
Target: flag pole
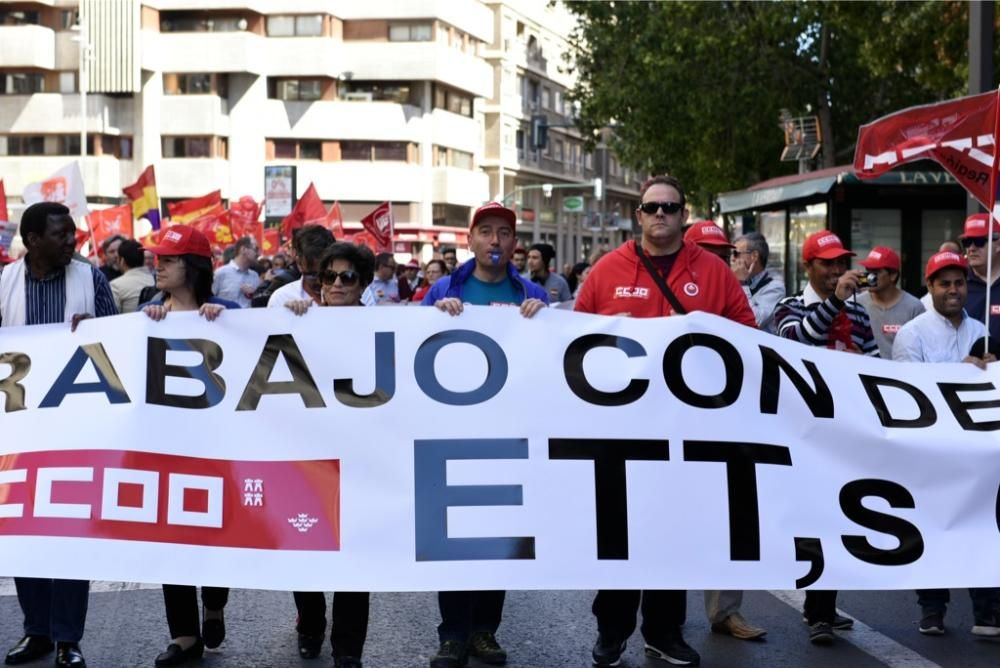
[(992, 219)]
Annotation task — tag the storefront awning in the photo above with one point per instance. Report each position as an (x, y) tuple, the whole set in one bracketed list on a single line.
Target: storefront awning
[(782, 189)]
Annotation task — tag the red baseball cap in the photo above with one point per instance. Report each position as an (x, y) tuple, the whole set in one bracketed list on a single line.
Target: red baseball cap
[(943, 260), (975, 226), (494, 209), (412, 264), (708, 233), (824, 245), (182, 240), (881, 257)]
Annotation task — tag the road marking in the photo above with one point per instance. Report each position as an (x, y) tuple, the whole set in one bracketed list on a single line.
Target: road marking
[(865, 638), (96, 587)]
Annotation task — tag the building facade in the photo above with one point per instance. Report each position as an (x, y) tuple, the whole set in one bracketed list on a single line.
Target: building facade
[(420, 103)]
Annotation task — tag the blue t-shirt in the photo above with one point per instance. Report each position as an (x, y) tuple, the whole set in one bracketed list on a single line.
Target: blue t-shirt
[(480, 293)]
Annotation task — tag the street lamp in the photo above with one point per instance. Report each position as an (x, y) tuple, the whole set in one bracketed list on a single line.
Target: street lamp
[(86, 54)]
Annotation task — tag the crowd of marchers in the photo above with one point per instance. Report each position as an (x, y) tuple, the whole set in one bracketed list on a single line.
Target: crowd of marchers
[(671, 268)]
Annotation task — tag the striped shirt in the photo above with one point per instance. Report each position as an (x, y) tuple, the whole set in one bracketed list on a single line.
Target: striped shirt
[(808, 319), (46, 298)]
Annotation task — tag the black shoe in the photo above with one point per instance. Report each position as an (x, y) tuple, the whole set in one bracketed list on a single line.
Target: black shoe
[(672, 649), (451, 654), (28, 649), (175, 656), (607, 651), (821, 633), (484, 646), (932, 624), (346, 662), (841, 623), (68, 655), (213, 631), (310, 645)]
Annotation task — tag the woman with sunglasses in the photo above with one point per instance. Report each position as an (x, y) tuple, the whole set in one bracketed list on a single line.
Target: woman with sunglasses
[(345, 270), (184, 280)]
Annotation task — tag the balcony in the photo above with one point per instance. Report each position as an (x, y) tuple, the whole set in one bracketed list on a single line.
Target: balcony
[(381, 121), (55, 113), (303, 56), (459, 186), (102, 176), (364, 181), (204, 52), (192, 177), (194, 115), (27, 46), (470, 16), (418, 61), (455, 131)]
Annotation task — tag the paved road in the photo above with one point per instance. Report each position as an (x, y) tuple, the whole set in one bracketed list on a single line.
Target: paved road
[(540, 630)]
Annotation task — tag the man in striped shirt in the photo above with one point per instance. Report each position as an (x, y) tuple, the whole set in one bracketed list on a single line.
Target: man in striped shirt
[(48, 286), (826, 314)]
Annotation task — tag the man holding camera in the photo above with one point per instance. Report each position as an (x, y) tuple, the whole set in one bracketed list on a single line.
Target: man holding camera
[(889, 307)]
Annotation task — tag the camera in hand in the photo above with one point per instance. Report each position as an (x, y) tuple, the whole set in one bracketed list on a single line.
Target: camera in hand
[(868, 280)]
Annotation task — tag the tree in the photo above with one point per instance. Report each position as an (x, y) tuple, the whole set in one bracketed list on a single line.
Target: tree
[(696, 89)]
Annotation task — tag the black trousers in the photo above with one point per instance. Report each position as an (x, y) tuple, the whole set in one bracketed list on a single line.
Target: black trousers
[(348, 619), (465, 612), (56, 609), (181, 602), (985, 602), (820, 606), (663, 611)]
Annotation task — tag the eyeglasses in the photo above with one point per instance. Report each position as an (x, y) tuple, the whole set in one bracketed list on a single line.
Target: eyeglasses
[(978, 242), (736, 253), (347, 278), (668, 207)]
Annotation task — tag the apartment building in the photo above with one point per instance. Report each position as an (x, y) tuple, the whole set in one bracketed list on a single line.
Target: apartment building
[(382, 100)]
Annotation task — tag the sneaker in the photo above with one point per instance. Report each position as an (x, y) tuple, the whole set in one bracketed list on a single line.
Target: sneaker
[(987, 628), (840, 623), (821, 633), (737, 627), (932, 624), (484, 646), (672, 649), (607, 651), (451, 654)]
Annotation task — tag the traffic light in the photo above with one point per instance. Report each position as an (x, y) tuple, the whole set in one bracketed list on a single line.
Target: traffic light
[(539, 131)]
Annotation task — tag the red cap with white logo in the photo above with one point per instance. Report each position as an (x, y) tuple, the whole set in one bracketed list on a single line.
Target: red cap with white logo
[(881, 257), (824, 245), (943, 260), (707, 233), (493, 209), (976, 225), (182, 240)]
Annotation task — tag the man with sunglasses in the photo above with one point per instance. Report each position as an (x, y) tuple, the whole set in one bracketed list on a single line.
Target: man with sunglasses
[(974, 242), (470, 619), (763, 289), (658, 275)]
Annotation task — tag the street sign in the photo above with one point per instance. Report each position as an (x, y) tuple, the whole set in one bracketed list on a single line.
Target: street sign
[(573, 204)]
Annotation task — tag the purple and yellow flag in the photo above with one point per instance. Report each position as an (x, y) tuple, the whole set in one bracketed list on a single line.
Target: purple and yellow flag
[(145, 202)]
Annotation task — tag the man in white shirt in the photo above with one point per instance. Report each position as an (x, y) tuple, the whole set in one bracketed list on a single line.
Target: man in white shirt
[(237, 281), (946, 333), (309, 243), (385, 288)]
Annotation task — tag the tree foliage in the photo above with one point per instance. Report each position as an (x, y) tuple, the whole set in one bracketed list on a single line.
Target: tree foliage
[(696, 89)]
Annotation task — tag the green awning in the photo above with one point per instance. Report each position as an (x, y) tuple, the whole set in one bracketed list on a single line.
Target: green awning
[(741, 200)]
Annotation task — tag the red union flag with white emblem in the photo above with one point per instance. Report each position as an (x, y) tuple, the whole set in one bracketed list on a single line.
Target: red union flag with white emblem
[(958, 134), (379, 224)]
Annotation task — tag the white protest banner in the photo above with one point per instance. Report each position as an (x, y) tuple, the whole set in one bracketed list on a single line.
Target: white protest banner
[(401, 449)]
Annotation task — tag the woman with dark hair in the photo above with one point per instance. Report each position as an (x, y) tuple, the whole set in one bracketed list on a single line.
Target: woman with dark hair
[(345, 270), (184, 279), (434, 270), (577, 276)]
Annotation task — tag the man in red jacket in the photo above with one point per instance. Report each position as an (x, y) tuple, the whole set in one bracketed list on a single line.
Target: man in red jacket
[(660, 275)]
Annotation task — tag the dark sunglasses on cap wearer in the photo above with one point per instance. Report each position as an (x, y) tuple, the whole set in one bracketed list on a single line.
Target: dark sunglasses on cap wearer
[(347, 278), (668, 207), (978, 242)]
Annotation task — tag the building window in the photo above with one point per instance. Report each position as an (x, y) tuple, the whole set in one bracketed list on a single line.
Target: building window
[(111, 145), (533, 88), (68, 18), (305, 90), (18, 17), (400, 92), (194, 147), (558, 155), (557, 101), (440, 156), (411, 32), (298, 149), (67, 82), (17, 83), (546, 98), (308, 25), (374, 150), (453, 101), (22, 145), (200, 22), (196, 84), (460, 159)]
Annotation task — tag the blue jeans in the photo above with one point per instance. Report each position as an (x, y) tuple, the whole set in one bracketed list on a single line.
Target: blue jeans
[(54, 609)]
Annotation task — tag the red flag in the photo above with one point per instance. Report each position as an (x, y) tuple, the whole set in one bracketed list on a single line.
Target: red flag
[(309, 209), (335, 221), (82, 237), (3, 203), (270, 241), (108, 222), (215, 226), (243, 215), (379, 225), (191, 209), (958, 134)]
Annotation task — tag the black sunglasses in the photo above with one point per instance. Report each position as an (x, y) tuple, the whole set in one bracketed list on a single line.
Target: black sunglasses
[(668, 207), (978, 242), (347, 278)]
